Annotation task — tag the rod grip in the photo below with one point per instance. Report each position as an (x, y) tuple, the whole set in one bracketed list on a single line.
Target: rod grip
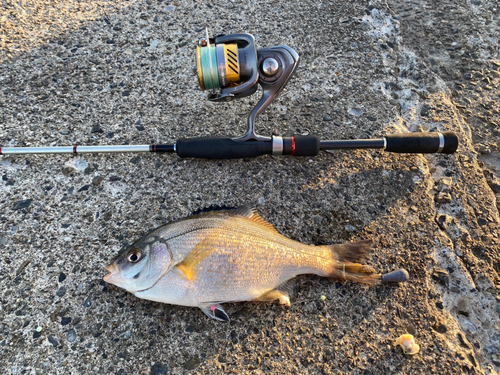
[(422, 143), (220, 148)]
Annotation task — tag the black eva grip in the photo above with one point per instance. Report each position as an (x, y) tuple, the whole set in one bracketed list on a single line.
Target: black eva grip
[(220, 148), (421, 143)]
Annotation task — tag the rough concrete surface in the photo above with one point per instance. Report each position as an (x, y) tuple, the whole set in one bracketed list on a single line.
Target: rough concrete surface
[(108, 72)]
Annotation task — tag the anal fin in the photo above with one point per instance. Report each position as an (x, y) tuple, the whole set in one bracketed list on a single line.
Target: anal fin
[(281, 293), (215, 311)]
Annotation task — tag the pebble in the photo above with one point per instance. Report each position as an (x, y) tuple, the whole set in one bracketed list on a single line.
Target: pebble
[(87, 302), (21, 204), (96, 129), (65, 320), (97, 180), (53, 341), (443, 197), (61, 291), (192, 363), (159, 369), (136, 159), (62, 277), (355, 111), (71, 335)]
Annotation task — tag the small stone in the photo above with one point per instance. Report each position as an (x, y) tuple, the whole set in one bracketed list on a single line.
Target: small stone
[(140, 128), (87, 302), (440, 327), (61, 291), (350, 228), (156, 19), (443, 197), (136, 159), (192, 363), (159, 369), (37, 334), (115, 178), (426, 108), (355, 111), (440, 275), (53, 341), (327, 118), (62, 277), (97, 180), (67, 171), (440, 305), (65, 320), (96, 129), (83, 188), (445, 184), (371, 118), (21, 204), (71, 335)]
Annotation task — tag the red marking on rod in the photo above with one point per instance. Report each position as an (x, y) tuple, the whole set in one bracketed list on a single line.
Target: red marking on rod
[(154, 148), (293, 145), (74, 150), (1, 150)]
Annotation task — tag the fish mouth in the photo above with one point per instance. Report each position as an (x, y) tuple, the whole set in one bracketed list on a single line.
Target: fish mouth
[(113, 269)]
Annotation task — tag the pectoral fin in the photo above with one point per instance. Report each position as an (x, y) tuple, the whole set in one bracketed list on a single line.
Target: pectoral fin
[(199, 252), (215, 311)]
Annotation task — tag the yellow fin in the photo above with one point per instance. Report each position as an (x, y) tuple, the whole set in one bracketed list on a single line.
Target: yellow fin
[(197, 254)]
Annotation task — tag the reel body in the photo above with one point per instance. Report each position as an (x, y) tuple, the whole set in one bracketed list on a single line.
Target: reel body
[(233, 65)]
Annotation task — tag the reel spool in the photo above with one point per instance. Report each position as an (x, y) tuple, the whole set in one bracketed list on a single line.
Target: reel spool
[(233, 65)]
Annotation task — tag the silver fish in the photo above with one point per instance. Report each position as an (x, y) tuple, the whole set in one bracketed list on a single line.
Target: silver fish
[(228, 255)]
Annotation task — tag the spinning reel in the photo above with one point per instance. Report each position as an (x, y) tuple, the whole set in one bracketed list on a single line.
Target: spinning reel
[(231, 67)]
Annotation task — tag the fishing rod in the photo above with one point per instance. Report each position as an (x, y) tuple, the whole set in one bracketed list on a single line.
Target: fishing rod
[(230, 67)]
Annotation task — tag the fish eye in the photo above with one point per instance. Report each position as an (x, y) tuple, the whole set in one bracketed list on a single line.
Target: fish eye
[(134, 255)]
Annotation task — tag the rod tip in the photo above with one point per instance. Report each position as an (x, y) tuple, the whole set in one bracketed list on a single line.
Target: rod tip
[(398, 276)]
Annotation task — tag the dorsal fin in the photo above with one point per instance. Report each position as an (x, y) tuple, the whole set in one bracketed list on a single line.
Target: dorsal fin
[(248, 212), (257, 219), (244, 211)]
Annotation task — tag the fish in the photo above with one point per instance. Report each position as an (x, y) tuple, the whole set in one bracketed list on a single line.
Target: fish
[(223, 255)]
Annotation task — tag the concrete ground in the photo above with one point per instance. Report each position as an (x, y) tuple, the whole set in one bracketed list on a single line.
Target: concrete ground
[(116, 72)]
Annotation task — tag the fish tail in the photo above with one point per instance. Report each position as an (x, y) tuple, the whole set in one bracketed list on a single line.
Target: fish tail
[(347, 262)]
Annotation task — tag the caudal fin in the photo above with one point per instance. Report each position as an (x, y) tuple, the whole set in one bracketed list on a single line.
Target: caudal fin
[(348, 262)]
